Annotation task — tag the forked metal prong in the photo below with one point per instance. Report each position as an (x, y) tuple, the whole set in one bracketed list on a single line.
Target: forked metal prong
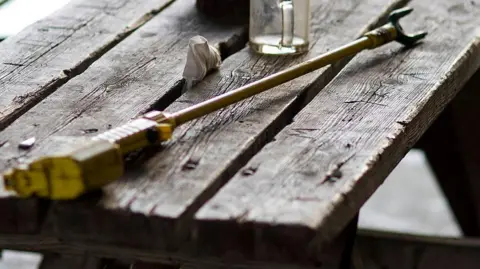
[(402, 37)]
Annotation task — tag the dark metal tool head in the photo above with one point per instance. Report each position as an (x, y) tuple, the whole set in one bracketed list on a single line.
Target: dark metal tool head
[(402, 37)]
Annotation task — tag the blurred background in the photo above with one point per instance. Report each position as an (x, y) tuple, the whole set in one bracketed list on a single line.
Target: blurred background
[(17, 14), (410, 201)]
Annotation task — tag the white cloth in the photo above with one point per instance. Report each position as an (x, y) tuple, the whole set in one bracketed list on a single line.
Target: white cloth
[(201, 59)]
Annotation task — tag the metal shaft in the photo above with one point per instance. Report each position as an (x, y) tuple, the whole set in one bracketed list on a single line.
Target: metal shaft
[(269, 82), (373, 39)]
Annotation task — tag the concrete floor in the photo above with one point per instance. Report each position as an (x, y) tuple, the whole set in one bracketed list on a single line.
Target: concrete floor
[(409, 200), (20, 260)]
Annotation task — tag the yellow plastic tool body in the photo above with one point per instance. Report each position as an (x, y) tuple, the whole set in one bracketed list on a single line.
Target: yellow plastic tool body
[(101, 161), (92, 165)]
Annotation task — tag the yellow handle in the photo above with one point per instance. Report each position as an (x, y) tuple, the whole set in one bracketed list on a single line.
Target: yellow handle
[(92, 166), (66, 177)]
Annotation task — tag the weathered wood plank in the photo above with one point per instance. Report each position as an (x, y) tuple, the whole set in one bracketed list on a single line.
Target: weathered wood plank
[(451, 145), (58, 261), (152, 207), (43, 244), (376, 250), (120, 255), (19, 215), (141, 265), (143, 71), (402, 251), (314, 177), (41, 58), (116, 264)]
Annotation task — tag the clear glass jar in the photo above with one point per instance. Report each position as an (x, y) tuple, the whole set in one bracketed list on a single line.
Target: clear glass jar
[(279, 26)]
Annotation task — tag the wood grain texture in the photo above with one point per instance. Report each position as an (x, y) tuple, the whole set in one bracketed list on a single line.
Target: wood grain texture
[(303, 187), (153, 205), (379, 250), (376, 250), (140, 73), (141, 265), (41, 58), (120, 255), (57, 261), (451, 145), (20, 215), (43, 244)]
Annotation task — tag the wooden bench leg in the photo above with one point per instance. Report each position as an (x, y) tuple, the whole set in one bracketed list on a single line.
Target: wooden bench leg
[(348, 251), (340, 253), (452, 146)]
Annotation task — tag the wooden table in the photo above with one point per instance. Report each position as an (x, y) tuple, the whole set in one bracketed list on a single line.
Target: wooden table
[(277, 180)]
